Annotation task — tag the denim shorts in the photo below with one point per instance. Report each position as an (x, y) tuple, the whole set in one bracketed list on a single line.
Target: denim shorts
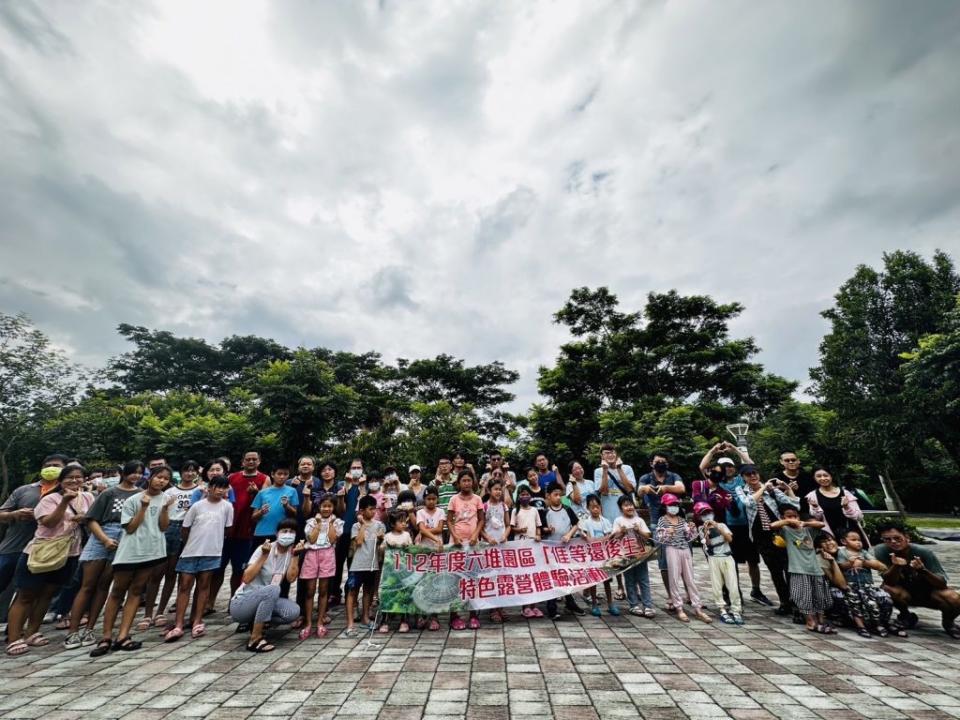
[(174, 538), (195, 565), (94, 549)]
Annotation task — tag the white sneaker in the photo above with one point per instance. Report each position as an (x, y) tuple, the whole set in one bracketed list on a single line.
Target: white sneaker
[(87, 638), (72, 641), (49, 618)]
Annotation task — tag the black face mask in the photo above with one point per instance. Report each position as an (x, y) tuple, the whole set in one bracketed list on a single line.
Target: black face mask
[(660, 467), (716, 475)]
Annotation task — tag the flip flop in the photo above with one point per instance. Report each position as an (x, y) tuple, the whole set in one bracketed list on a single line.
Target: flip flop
[(17, 647), (173, 634), (144, 625), (63, 623), (305, 632), (260, 646), (198, 631), (37, 640), (160, 620)]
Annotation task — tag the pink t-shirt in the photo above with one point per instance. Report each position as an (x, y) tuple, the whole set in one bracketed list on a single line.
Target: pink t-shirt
[(48, 503), (465, 512), (432, 520)]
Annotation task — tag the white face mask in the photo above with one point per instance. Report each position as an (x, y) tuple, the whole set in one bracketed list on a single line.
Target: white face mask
[(673, 509), (707, 517), (286, 539), (373, 486)]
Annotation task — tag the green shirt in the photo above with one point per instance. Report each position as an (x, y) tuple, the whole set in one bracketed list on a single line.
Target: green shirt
[(908, 575), (446, 492), (801, 555), (148, 541)]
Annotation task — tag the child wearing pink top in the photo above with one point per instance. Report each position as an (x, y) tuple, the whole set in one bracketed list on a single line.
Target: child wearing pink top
[(465, 519)]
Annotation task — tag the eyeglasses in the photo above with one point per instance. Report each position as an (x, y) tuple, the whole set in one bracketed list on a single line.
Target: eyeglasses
[(791, 460)]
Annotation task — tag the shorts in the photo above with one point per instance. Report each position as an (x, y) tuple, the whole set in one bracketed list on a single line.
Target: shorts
[(174, 538), (94, 549), (367, 579), (742, 547), (319, 563), (132, 567), (26, 580), (196, 565), (236, 553)]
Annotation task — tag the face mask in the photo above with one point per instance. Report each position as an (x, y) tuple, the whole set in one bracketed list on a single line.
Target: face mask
[(673, 509), (373, 486), (524, 501), (286, 539), (660, 467), (405, 506), (356, 473), (707, 517), (716, 475), (111, 481), (50, 473)]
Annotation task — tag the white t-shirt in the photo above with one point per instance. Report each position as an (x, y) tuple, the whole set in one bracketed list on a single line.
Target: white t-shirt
[(634, 523), (526, 520), (432, 521), (397, 540), (596, 528), (207, 522), (181, 502), (323, 539)]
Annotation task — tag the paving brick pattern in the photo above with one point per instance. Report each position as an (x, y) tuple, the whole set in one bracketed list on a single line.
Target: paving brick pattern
[(576, 669)]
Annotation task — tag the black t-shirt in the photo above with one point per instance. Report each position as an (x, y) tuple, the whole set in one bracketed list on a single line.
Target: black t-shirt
[(805, 482)]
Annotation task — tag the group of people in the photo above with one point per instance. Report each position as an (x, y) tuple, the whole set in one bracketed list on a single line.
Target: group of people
[(144, 544)]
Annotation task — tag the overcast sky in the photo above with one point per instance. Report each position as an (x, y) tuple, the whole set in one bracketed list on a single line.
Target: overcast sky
[(420, 178)]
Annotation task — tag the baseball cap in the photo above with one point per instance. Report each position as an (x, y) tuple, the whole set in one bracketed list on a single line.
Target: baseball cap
[(414, 467), (725, 461), (748, 468)]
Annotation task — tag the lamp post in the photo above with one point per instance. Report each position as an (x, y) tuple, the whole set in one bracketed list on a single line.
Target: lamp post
[(739, 431)]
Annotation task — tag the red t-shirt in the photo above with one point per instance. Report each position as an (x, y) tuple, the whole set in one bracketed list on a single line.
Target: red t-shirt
[(242, 521)]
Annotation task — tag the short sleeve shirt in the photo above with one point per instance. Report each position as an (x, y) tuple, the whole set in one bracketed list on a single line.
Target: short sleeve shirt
[(273, 571), (323, 539), (495, 520), (208, 521), (365, 556), (21, 532), (611, 510), (108, 507), (801, 555), (466, 514), (527, 520), (596, 528), (67, 525), (432, 521), (273, 497), (147, 542), (182, 499)]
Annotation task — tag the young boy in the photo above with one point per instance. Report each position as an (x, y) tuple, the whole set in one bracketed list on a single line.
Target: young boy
[(204, 527), (715, 538), (278, 501), (562, 525), (465, 520), (639, 574), (595, 527), (366, 536)]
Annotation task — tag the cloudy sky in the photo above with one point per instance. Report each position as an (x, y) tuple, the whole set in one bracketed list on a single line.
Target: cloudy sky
[(420, 178)]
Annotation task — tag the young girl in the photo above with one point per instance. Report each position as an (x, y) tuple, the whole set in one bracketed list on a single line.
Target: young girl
[(674, 536), (597, 527), (809, 589), (715, 537), (630, 522), (867, 603), (398, 537), (495, 521), (430, 525), (96, 560), (465, 518), (142, 548), (526, 524), (206, 523), (319, 563), (182, 495)]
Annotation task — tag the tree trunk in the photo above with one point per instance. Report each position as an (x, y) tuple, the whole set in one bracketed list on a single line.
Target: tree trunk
[(890, 492), (5, 476)]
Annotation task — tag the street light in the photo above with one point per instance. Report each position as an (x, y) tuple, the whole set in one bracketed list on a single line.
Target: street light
[(739, 432)]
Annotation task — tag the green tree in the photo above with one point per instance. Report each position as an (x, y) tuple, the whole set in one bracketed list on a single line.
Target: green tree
[(35, 381), (878, 319)]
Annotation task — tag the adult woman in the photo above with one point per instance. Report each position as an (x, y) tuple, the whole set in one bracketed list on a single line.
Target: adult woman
[(415, 485), (96, 560), (579, 489), (710, 492), (59, 515), (834, 506), (327, 484), (258, 600), (143, 548)]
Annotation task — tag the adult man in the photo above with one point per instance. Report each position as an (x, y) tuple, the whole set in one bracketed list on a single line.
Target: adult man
[(156, 460), (761, 504), (799, 480), (651, 486), (548, 473), (916, 577), (237, 546), (744, 550), (445, 482), (496, 463), (17, 514)]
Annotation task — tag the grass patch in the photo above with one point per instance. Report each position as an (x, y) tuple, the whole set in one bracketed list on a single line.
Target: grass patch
[(934, 523)]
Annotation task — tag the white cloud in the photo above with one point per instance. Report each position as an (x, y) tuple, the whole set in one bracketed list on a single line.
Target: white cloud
[(420, 178)]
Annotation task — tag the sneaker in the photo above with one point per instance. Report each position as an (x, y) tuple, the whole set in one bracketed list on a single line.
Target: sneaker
[(783, 611), (595, 611), (636, 610), (726, 618), (72, 641), (49, 618), (759, 597), (555, 615), (738, 618), (613, 610), (350, 632), (577, 610), (87, 638)]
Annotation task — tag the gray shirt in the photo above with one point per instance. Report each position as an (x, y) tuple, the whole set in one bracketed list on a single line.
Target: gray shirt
[(801, 555), (560, 521), (365, 556), (147, 542), (21, 532)]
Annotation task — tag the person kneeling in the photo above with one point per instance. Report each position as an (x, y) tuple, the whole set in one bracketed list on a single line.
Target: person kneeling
[(258, 599)]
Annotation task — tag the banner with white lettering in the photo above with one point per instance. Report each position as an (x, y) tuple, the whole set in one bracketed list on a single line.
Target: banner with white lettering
[(423, 580)]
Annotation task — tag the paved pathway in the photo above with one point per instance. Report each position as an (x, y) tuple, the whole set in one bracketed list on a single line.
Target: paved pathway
[(573, 670)]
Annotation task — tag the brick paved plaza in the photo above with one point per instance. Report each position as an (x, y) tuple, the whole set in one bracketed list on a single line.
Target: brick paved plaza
[(577, 669)]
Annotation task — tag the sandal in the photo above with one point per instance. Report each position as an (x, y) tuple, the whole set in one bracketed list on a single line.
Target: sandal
[(63, 623), (17, 647), (127, 644), (297, 624), (953, 631), (326, 620), (160, 620), (404, 628), (458, 624), (198, 631), (682, 616), (37, 640), (474, 623), (620, 595), (259, 646), (434, 625), (173, 634), (384, 629), (648, 612), (321, 631), (863, 632), (144, 625), (702, 616), (102, 648), (305, 632)]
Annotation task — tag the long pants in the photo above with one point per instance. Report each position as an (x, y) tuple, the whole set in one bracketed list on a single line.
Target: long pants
[(335, 586), (263, 604), (723, 572), (680, 565), (568, 603), (638, 575), (776, 561)]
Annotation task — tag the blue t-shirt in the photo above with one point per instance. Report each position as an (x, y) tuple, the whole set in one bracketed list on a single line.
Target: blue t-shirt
[(736, 513), (272, 496)]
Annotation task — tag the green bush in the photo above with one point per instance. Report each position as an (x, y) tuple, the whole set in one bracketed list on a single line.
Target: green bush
[(871, 523)]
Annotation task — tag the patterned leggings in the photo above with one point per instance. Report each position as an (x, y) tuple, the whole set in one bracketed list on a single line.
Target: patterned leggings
[(870, 604), (263, 604)]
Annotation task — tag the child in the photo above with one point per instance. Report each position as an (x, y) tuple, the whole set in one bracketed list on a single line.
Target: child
[(183, 499), (596, 527), (867, 603), (809, 589), (465, 519), (562, 525), (366, 537), (205, 524), (431, 521), (526, 523), (398, 537), (630, 522), (495, 530), (274, 503), (715, 538), (674, 536), (319, 562)]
